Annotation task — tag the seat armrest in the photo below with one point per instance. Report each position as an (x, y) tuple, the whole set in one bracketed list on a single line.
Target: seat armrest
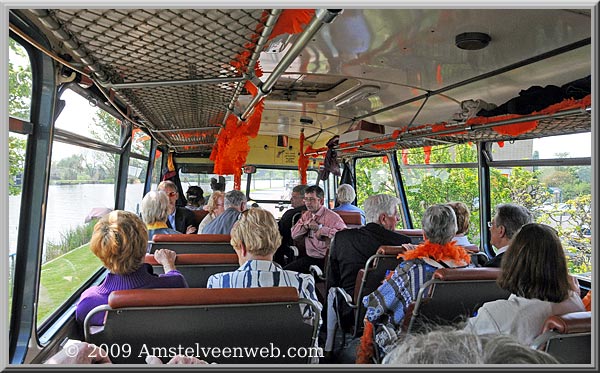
[(295, 250), (347, 298), (317, 272)]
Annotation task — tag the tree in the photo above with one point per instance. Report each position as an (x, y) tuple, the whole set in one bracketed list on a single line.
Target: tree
[(19, 105)]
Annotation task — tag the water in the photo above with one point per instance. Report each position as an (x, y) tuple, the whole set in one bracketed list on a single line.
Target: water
[(68, 205)]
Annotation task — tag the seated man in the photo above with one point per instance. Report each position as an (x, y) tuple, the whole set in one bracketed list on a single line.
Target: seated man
[(287, 221), (235, 203), (345, 196), (179, 218), (506, 223), (316, 228), (255, 238), (352, 247)]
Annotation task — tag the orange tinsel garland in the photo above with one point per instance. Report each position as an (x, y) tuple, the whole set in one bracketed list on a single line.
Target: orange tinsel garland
[(290, 21), (364, 353), (427, 249)]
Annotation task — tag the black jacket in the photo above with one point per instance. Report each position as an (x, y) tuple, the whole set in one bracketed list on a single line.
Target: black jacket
[(183, 218), (352, 248)]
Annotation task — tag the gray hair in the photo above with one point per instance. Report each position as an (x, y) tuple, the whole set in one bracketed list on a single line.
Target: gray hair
[(512, 217), (234, 198), (439, 224), (155, 205), (379, 204), (459, 346), (167, 184), (345, 193), (301, 189)]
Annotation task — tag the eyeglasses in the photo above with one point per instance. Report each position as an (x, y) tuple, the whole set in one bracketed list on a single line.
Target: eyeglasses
[(490, 224), (310, 199), (171, 194), (243, 213)]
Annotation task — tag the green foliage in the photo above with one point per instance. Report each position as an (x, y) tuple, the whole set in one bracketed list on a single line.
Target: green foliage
[(69, 240), (19, 82), (16, 162)]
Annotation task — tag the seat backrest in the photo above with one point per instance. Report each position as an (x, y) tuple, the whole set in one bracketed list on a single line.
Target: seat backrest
[(567, 337), (415, 235), (376, 269), (351, 218), (454, 294), (199, 215), (197, 268), (192, 243), (251, 325)]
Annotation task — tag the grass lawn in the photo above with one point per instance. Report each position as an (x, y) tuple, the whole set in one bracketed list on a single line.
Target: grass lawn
[(62, 276)]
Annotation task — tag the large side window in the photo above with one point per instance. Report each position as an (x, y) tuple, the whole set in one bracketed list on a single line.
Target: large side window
[(374, 176), (19, 106), (136, 174), (450, 175), (81, 190), (559, 196)]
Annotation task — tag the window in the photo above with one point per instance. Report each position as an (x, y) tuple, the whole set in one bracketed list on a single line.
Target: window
[(374, 176), (19, 106)]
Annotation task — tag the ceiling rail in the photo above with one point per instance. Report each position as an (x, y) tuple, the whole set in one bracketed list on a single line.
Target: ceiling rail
[(322, 16)]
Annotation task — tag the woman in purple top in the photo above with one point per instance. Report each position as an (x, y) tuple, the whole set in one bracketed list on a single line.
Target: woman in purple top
[(119, 240)]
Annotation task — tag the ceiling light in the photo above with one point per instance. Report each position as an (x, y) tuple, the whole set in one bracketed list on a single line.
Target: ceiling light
[(472, 40)]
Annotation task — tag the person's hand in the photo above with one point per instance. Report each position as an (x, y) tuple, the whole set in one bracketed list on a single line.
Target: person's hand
[(313, 226), (80, 353), (190, 229), (574, 284), (166, 257), (409, 246), (179, 359)]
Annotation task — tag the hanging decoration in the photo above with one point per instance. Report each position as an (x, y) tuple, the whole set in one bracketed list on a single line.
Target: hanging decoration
[(232, 148), (405, 156), (302, 160), (427, 152)]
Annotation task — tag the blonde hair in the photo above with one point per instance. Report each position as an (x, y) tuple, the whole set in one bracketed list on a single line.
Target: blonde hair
[(119, 241), (258, 231), (213, 200)]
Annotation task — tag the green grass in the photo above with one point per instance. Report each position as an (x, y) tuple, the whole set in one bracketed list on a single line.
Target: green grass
[(62, 276)]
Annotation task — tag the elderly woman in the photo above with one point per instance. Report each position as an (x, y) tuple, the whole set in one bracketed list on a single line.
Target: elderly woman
[(534, 270), (462, 222), (215, 207), (345, 196), (119, 241), (255, 238), (386, 306), (155, 208)]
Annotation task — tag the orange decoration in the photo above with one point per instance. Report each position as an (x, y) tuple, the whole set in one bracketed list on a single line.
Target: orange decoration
[(365, 349), (501, 144), (516, 128), (427, 151), (302, 160), (438, 74), (237, 179), (384, 159), (405, 156), (385, 146), (427, 249), (290, 21)]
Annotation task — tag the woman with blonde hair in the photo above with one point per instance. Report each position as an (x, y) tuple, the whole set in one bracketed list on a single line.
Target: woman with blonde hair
[(155, 209), (255, 237), (119, 241), (215, 207)]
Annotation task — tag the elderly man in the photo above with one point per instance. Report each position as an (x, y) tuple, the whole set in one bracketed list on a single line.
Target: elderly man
[(506, 223), (179, 218), (286, 222), (352, 247), (345, 196), (235, 203), (316, 227)]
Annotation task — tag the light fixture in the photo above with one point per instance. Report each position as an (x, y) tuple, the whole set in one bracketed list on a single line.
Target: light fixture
[(472, 40), (357, 95)]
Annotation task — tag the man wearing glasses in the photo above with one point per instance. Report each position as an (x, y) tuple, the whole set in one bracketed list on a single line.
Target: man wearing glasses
[(506, 223), (179, 218), (316, 227)]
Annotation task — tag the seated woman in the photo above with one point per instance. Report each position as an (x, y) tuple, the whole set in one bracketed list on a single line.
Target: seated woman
[(534, 270), (345, 196), (119, 241), (462, 223), (387, 305), (255, 238), (195, 198), (155, 208), (215, 207)]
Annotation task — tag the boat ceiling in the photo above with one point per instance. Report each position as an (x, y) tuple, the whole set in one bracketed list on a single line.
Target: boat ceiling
[(170, 69)]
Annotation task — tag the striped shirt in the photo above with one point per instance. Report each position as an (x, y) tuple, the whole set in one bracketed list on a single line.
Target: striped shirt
[(264, 273)]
